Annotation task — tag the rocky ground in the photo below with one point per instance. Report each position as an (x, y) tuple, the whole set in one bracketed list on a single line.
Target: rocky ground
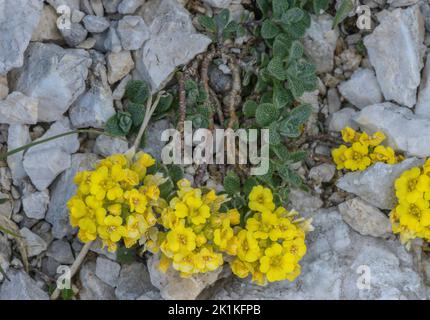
[(54, 80)]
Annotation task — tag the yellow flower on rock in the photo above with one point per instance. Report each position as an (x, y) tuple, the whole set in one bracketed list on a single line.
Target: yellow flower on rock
[(357, 157), (261, 199), (383, 154), (407, 185), (339, 157), (276, 264), (248, 249), (136, 200), (349, 135), (181, 239)]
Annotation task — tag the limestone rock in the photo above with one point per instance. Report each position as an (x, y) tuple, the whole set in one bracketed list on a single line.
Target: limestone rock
[(129, 6), (398, 67), (18, 135), (423, 103), (341, 119), (61, 252), (47, 29), (362, 89), (405, 131), (95, 24), (21, 287), (119, 65), (35, 204), (17, 108), (92, 287), (108, 271), (35, 244), (18, 19), (133, 32), (54, 76), (133, 281), (376, 183), (106, 145)]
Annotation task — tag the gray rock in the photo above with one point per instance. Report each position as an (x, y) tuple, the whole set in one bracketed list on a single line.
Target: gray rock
[(112, 42), (21, 287), (62, 190), (97, 7), (362, 89), (133, 281), (101, 249), (304, 202), (365, 218), (173, 42), (333, 266), (74, 35), (398, 67), (77, 16), (153, 143), (108, 271), (111, 6), (92, 287), (95, 24), (173, 287), (35, 204), (5, 254), (18, 135), (133, 32), (320, 42), (425, 10), (93, 108), (119, 65), (341, 119), (106, 145), (129, 6), (376, 184), (322, 173), (17, 108), (72, 4), (402, 3), (220, 81), (333, 100), (18, 19), (119, 91), (68, 144), (54, 76), (218, 3), (35, 244), (47, 29), (50, 267), (61, 252), (44, 166), (5, 207), (4, 87), (423, 103), (405, 131)]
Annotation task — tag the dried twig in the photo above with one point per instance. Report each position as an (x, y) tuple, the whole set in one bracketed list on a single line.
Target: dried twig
[(235, 91), (182, 102)]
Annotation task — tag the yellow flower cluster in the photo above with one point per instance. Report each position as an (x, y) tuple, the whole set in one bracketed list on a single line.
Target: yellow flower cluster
[(272, 243), (411, 217), (364, 151), (117, 200), (196, 232)]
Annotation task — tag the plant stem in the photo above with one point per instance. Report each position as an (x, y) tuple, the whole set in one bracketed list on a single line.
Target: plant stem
[(75, 266), (35, 143)]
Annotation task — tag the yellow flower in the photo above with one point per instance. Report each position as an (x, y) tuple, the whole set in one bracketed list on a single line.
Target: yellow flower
[(143, 162), (339, 157), (415, 215), (223, 235), (383, 154), (184, 262), (234, 216), (349, 135), (241, 268), (136, 200), (373, 140), (114, 193), (295, 247), (357, 157), (207, 260), (181, 239), (406, 185), (181, 209), (275, 264), (261, 199), (248, 249), (112, 229), (87, 230)]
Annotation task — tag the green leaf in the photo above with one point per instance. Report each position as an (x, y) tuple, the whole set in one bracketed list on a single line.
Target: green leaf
[(249, 108), (320, 6), (274, 136), (165, 104), (301, 77), (295, 22), (137, 91), (230, 30), (290, 126), (264, 6), (296, 51), (137, 113), (231, 183), (279, 7), (281, 46), (269, 30), (113, 128), (208, 23), (344, 9), (266, 113), (66, 294), (290, 176), (281, 96), (250, 183), (222, 18), (124, 121), (293, 15), (296, 156), (277, 69), (176, 173), (126, 256)]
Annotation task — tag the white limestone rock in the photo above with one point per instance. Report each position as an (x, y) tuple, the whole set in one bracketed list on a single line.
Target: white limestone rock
[(17, 108), (405, 131), (18, 136), (341, 119), (21, 287), (55, 76), (18, 19), (35, 244), (35, 204), (423, 103), (376, 184), (398, 66), (119, 65), (362, 89), (47, 29), (106, 145), (133, 32)]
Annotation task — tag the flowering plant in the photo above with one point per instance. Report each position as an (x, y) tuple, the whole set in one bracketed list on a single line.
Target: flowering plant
[(364, 151), (411, 217)]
